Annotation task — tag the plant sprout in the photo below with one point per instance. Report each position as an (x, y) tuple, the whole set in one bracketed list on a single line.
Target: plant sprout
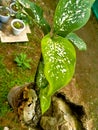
[(23, 61), (57, 64)]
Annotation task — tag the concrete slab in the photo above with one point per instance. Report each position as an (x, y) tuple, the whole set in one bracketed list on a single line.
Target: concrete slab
[(7, 35)]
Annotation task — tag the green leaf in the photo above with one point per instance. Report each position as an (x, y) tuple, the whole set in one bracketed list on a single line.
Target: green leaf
[(77, 41), (22, 61), (40, 77), (22, 56), (36, 13), (26, 65), (45, 100), (17, 59), (92, 2), (71, 15), (59, 59)]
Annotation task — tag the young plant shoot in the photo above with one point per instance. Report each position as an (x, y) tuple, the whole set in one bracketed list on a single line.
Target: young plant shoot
[(57, 64)]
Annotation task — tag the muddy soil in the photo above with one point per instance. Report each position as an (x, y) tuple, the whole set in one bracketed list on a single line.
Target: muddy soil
[(83, 90)]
